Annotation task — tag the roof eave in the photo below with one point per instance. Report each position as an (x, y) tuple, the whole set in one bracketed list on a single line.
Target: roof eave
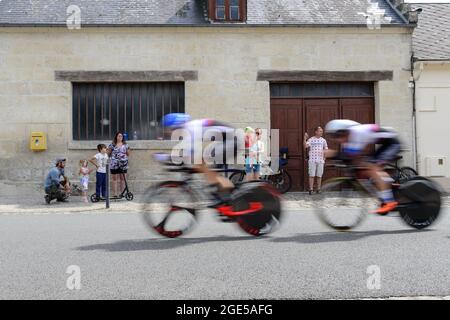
[(432, 60), (231, 25)]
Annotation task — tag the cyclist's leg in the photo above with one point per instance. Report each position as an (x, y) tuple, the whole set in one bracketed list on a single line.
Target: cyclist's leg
[(386, 153), (214, 178)]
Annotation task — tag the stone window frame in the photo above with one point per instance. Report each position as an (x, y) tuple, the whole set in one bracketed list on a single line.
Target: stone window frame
[(121, 76)]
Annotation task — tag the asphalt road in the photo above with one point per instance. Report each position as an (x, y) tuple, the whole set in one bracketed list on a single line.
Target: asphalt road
[(119, 258)]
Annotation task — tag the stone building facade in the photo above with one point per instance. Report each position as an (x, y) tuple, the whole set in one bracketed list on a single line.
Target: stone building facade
[(227, 71)]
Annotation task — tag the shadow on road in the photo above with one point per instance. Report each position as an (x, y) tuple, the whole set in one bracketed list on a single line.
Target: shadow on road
[(341, 236), (161, 243), (165, 244)]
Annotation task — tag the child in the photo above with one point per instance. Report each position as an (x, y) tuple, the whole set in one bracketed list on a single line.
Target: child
[(101, 158), (84, 178)]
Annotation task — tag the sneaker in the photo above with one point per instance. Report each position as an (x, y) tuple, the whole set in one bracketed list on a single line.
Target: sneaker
[(318, 191), (310, 192), (386, 207), (47, 199)]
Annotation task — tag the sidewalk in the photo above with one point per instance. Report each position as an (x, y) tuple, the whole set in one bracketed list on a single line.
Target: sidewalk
[(37, 205), (31, 202)]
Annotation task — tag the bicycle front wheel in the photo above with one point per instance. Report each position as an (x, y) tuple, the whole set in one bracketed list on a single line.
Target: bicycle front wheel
[(343, 204), (170, 209)]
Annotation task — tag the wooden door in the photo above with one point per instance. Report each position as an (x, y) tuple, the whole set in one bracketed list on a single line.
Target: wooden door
[(297, 108), (358, 109), (318, 112), (286, 116)]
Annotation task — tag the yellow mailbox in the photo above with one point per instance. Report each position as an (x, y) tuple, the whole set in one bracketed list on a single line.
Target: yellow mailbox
[(38, 141)]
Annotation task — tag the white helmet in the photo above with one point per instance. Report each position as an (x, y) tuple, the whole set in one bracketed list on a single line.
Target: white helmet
[(334, 126)]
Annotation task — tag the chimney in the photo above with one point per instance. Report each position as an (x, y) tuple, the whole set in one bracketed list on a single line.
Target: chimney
[(405, 10)]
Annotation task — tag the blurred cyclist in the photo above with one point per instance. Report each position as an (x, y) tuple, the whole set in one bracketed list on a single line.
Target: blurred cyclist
[(196, 129), (357, 141)]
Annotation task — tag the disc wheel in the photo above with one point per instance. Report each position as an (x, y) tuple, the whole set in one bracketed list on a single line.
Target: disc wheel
[(169, 209), (263, 221), (419, 213), (343, 204)]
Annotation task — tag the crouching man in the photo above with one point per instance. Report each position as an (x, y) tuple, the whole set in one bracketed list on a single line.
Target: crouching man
[(56, 184)]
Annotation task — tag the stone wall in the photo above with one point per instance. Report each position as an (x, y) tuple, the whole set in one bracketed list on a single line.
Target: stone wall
[(227, 61)]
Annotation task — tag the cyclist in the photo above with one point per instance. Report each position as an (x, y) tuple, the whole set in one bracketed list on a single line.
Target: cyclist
[(357, 140), (196, 129)]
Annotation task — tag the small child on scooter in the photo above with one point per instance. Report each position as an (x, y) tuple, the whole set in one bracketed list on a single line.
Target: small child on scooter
[(84, 178)]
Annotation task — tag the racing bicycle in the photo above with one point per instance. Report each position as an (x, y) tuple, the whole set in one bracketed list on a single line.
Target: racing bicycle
[(345, 201), (171, 207)]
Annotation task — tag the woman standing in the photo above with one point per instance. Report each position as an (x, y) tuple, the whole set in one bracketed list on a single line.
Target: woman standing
[(255, 157), (119, 152)]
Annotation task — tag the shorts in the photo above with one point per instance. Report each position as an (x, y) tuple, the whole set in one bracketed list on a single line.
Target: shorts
[(315, 169), (249, 168), (252, 166), (118, 171), (387, 152), (84, 181)]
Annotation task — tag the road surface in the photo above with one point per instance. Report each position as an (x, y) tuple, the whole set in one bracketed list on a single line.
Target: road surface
[(118, 258)]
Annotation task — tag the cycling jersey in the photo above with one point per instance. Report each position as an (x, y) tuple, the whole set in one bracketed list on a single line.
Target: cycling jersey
[(202, 131), (361, 136)]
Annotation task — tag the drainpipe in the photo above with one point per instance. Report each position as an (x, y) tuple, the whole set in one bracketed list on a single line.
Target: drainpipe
[(414, 114)]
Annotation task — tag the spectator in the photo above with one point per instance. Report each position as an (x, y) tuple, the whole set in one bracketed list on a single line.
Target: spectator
[(54, 186), (248, 140), (316, 144), (254, 160), (100, 160), (84, 173), (119, 153)]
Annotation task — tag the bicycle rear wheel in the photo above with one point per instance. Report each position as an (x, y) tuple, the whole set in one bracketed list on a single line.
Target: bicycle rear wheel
[(419, 202), (343, 204), (263, 221), (169, 209), (282, 181)]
